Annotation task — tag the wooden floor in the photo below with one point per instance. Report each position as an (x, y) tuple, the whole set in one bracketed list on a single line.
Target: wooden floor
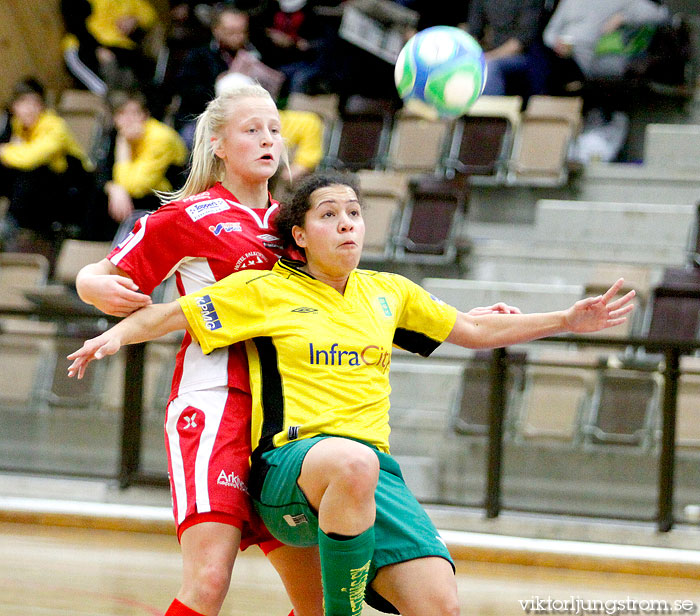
[(46, 570)]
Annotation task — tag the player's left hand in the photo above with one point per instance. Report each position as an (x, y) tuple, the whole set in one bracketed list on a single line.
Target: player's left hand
[(595, 313), (95, 348)]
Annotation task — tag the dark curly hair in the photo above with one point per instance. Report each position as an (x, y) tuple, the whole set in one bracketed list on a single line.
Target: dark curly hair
[(293, 212)]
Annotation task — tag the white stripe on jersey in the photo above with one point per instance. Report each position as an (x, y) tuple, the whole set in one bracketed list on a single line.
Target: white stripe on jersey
[(264, 223), (214, 401), (131, 240), (176, 464)]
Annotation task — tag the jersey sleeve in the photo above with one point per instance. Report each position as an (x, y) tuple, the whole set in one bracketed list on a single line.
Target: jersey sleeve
[(154, 248), (229, 311), (424, 321)]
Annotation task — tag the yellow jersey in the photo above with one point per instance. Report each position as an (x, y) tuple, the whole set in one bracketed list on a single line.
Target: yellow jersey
[(319, 360)]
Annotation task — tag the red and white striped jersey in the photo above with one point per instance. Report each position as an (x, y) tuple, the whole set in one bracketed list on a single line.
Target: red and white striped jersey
[(201, 239)]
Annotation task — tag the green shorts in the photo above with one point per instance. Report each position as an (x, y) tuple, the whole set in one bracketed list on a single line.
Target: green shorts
[(402, 530)]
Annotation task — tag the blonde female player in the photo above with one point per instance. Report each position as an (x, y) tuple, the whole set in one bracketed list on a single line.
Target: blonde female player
[(322, 332), (220, 222)]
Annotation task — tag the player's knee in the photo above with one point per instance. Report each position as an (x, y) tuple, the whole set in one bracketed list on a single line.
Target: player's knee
[(210, 584), (447, 604), (358, 471)]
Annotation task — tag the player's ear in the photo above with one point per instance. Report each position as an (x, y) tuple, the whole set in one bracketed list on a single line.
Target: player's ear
[(299, 236), (217, 146)]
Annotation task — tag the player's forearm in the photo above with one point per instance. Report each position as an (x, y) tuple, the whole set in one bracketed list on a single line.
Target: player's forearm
[(499, 330), (149, 323), (87, 274)]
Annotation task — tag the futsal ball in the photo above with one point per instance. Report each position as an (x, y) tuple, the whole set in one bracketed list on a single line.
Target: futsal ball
[(442, 67)]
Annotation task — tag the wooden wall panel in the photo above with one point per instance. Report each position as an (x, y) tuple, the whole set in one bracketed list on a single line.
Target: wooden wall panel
[(30, 44)]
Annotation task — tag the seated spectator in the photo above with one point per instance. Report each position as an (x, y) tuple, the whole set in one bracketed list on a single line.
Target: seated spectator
[(509, 32), (141, 155), (575, 29), (202, 65), (293, 43), (43, 173), (103, 48)]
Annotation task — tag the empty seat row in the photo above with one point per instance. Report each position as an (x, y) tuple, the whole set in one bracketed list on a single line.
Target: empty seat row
[(494, 142), (412, 218)]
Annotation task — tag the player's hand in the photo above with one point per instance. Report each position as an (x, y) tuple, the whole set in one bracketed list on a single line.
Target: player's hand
[(499, 308), (595, 313), (113, 294), (95, 348)]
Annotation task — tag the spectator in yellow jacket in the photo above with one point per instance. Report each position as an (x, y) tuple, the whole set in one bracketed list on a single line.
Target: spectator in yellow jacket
[(103, 47), (142, 155), (43, 171)]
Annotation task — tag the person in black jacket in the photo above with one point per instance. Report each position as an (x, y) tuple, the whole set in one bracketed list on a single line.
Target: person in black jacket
[(202, 65)]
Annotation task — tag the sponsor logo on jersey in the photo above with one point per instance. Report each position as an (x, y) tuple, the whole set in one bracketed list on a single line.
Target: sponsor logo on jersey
[(371, 355), (204, 208), (209, 316), (270, 241), (305, 310), (385, 306), (232, 481), (293, 433), (436, 299), (225, 226), (252, 259), (190, 421), (295, 520)]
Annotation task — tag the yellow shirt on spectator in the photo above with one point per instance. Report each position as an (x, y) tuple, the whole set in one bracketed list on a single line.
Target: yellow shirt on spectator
[(303, 134), (49, 142), (103, 22), (151, 157)]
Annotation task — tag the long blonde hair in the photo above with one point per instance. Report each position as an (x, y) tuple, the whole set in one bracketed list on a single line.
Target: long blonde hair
[(206, 168)]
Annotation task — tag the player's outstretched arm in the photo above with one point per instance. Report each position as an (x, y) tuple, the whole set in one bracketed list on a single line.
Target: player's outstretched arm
[(490, 330), (499, 308), (146, 324)]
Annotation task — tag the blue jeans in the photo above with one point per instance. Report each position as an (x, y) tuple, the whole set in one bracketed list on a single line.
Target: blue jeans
[(524, 74)]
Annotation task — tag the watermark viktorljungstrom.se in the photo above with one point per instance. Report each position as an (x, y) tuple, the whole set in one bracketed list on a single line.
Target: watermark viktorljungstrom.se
[(578, 606)]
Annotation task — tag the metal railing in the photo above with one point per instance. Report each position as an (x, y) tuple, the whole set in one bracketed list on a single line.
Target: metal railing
[(130, 471), (671, 351)]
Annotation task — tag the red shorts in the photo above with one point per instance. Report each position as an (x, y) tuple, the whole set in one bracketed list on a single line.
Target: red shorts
[(207, 439)]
